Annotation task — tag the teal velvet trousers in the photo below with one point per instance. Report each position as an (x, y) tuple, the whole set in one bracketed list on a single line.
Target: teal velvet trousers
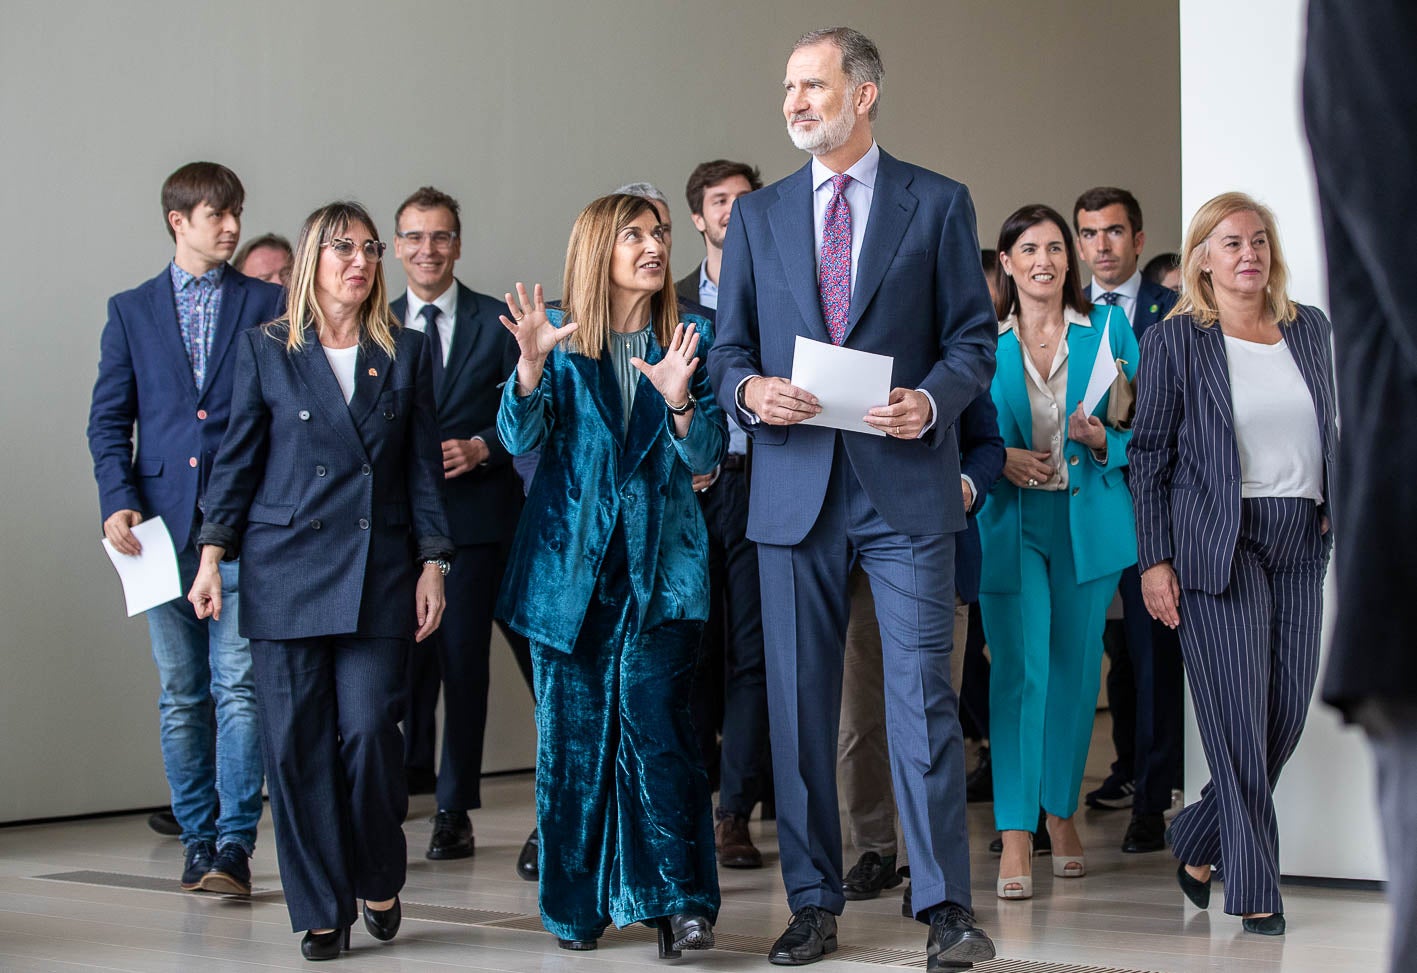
[(622, 799), (1045, 645)]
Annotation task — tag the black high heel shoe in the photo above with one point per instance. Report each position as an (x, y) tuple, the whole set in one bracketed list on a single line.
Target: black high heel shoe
[(1271, 925), (578, 945), (383, 925), (683, 931), (318, 946), (1196, 890)]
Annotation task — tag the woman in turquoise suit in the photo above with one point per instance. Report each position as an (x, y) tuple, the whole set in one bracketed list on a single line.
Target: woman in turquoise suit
[(608, 578), (1056, 533)]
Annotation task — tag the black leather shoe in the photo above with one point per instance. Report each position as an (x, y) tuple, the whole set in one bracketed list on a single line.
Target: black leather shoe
[(452, 836), (809, 936), (690, 931), (383, 925), (955, 942), (197, 861), (579, 945), (230, 873), (869, 876), (979, 785), (1196, 890), (1042, 843), (528, 862), (1146, 832), (318, 946), (1265, 926), (164, 822)]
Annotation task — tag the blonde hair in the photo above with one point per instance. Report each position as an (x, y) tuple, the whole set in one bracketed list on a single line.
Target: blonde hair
[(1197, 290), (586, 285), (376, 322)]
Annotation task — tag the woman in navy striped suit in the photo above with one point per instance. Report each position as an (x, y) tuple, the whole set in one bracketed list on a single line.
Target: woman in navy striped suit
[(1230, 457)]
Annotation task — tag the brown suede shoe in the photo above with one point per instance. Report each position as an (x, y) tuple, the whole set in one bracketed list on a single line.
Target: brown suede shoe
[(735, 846)]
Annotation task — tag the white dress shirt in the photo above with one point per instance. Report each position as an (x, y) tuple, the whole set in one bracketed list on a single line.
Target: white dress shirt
[(1126, 292), (447, 305)]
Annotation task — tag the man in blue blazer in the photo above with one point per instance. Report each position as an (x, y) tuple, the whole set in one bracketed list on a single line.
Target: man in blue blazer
[(862, 250), (165, 366), (1144, 683), (471, 356)]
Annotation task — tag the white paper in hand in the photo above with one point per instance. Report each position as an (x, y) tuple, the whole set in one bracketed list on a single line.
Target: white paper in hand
[(1104, 371), (149, 579), (847, 383)]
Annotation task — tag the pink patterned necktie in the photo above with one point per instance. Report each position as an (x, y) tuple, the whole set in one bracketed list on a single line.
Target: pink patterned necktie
[(834, 271)]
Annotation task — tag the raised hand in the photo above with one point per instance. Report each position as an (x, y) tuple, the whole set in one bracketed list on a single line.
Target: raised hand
[(672, 373), (530, 325)]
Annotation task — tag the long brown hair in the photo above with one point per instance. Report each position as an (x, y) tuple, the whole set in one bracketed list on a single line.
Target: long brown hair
[(586, 286), (376, 322), (1198, 291), (1019, 223)]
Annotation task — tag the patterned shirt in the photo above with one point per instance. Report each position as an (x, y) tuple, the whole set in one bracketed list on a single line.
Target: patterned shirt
[(198, 308)]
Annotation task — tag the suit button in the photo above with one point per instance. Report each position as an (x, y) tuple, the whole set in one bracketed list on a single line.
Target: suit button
[(363, 524), (201, 413), (304, 415), (1072, 461), (319, 471), (1075, 490), (574, 493), (192, 462), (314, 525), (365, 469), (388, 413), (554, 545)]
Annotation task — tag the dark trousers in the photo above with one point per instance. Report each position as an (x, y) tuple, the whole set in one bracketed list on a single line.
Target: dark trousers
[(1145, 696), (1391, 726), (460, 658), (1252, 656), (622, 802), (974, 694), (804, 625), (730, 687), (329, 710)]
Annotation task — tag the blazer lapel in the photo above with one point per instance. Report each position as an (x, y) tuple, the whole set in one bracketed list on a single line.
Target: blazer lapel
[(646, 416), (892, 207), (1084, 345), (1303, 341), (467, 329), (1214, 368), (599, 377), (371, 374), (163, 303), (314, 370), (791, 221), (1010, 374), (233, 298)]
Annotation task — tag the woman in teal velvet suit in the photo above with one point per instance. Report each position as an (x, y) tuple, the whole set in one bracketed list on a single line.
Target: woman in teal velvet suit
[(1056, 533), (608, 578)]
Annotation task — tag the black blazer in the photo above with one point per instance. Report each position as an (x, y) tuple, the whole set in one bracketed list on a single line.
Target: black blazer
[(484, 503), (331, 506), (1154, 302), (981, 458), (688, 287)]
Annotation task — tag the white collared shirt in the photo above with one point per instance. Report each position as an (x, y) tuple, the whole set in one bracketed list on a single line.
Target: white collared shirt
[(447, 305), (859, 193), (1127, 292)]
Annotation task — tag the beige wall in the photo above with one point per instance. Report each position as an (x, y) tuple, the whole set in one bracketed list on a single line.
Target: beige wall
[(525, 111)]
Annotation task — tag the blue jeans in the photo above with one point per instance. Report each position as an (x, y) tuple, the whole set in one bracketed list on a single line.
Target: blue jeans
[(211, 741)]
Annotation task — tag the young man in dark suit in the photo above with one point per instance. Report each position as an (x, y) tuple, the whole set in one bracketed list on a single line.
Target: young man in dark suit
[(472, 355), (1144, 683), (165, 367)]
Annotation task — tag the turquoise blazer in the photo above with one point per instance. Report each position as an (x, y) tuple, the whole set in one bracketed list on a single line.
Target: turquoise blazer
[(591, 477), (1103, 525)]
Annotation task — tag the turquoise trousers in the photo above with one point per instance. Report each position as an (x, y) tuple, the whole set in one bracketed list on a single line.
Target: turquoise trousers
[(1045, 645)]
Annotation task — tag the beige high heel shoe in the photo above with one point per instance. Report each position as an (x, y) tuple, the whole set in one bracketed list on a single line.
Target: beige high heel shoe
[(1024, 882), (1067, 866)]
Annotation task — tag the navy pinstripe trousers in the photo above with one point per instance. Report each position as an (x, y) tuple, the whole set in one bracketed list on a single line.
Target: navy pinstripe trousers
[(1252, 656)]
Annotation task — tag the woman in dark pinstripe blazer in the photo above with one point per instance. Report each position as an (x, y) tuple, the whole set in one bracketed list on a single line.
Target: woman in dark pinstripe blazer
[(1230, 456)]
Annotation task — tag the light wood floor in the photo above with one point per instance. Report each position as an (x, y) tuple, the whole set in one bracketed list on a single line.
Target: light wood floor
[(67, 902)]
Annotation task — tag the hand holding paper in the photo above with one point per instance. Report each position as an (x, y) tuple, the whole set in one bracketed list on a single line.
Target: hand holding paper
[(847, 383), (149, 578)]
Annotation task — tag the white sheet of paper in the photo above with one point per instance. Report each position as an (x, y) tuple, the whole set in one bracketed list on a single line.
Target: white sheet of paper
[(151, 578), (847, 383), (1104, 371)]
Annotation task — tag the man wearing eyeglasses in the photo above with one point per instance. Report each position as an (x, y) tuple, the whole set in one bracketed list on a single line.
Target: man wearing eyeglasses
[(165, 366), (472, 356)]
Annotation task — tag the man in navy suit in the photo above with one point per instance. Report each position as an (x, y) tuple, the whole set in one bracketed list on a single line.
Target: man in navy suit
[(472, 355), (862, 250), (165, 366), (1144, 683)]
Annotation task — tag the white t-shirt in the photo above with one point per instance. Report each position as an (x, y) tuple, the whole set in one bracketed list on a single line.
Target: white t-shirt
[(342, 362), (1281, 454)]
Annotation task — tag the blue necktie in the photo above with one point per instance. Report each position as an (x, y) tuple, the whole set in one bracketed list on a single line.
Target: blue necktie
[(1110, 298), (429, 313)]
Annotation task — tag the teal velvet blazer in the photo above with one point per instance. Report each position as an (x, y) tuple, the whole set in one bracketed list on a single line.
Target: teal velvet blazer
[(590, 477), (1100, 515)]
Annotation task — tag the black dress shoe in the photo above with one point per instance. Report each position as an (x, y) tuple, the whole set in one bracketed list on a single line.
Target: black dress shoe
[(383, 925), (683, 931), (197, 861), (1146, 832), (1266, 925), (1196, 890), (869, 876), (955, 942), (579, 945), (979, 785), (1042, 842), (318, 946), (230, 873), (452, 836), (809, 936), (164, 822), (528, 862)]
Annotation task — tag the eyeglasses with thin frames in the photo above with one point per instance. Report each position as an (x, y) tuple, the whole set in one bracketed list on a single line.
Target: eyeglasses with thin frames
[(344, 248), (438, 239)]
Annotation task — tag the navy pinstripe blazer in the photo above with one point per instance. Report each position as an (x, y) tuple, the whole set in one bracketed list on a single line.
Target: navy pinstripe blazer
[(1185, 465)]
